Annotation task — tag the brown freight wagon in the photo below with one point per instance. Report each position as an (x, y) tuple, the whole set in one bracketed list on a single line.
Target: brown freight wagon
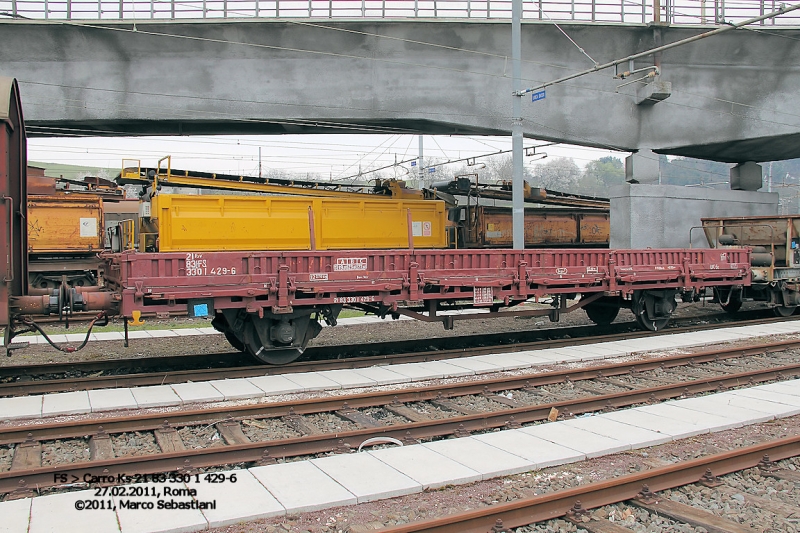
[(491, 227), (65, 234)]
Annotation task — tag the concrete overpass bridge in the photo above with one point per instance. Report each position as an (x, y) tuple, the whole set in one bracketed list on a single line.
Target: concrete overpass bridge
[(164, 67)]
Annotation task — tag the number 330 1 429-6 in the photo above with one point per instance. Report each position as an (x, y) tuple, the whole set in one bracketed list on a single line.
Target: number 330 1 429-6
[(215, 271)]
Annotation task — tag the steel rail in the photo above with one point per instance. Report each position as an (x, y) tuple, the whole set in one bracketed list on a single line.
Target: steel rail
[(11, 434), (556, 504), (214, 364), (266, 451)]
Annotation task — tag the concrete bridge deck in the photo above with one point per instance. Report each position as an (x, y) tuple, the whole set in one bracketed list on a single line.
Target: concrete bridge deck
[(733, 98)]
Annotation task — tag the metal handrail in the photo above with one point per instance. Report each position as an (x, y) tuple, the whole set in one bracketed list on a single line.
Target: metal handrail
[(706, 12)]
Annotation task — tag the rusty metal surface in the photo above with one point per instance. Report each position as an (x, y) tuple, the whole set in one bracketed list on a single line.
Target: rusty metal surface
[(543, 227), (65, 224), (38, 183), (556, 504), (280, 281), (56, 266), (43, 476), (778, 234), (13, 186)]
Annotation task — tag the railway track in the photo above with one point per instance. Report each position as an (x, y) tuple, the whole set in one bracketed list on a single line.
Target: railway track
[(191, 439), (89, 375), (639, 490)]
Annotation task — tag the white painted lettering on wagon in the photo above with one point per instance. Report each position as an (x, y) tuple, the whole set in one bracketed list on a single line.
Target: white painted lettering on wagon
[(349, 264), (196, 265), (353, 299)]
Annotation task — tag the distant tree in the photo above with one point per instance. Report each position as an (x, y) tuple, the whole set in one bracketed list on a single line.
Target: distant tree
[(499, 168), (600, 175), (609, 170), (560, 174)]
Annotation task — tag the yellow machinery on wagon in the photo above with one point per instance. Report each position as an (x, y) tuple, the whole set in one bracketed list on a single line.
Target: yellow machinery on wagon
[(278, 214), (206, 223), (290, 216)]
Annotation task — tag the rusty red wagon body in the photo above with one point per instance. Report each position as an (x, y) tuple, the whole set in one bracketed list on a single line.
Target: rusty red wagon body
[(271, 301)]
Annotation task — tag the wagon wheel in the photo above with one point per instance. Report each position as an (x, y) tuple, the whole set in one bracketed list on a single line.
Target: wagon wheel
[(235, 341), (784, 310), (651, 324), (733, 305), (263, 354), (733, 299), (603, 311), (640, 312)]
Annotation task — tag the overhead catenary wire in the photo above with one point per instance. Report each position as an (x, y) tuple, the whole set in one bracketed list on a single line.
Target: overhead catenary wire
[(404, 160), (559, 28), (358, 162), (633, 57)]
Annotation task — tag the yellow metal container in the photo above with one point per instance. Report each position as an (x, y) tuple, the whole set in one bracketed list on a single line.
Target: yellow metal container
[(543, 227), (66, 224), (214, 222)]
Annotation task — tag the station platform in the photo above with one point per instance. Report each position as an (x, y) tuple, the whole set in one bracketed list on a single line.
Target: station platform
[(256, 388), (346, 479)]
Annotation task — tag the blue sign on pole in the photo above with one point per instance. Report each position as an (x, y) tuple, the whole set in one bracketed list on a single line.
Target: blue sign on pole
[(537, 96), (432, 169), (413, 163)]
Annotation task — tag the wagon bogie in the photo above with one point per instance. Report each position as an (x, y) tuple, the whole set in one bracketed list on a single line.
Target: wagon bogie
[(273, 338), (604, 310)]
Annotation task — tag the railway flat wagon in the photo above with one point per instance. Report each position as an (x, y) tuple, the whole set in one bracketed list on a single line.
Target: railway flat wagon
[(270, 303)]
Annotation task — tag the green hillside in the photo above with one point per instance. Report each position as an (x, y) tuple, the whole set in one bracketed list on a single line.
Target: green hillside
[(72, 172)]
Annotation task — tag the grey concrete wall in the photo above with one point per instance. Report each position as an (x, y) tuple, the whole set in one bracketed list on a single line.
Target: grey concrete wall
[(660, 216), (734, 96)]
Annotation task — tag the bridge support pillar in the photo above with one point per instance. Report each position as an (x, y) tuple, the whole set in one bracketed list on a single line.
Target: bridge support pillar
[(747, 177), (642, 167), (662, 216)]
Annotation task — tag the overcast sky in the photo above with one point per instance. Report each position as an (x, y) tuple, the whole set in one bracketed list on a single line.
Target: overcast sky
[(327, 156)]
